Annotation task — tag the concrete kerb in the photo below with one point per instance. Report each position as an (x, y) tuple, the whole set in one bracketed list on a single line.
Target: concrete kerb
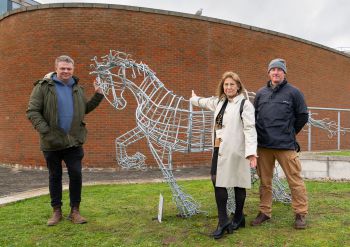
[(15, 197), (45, 191), (314, 167)]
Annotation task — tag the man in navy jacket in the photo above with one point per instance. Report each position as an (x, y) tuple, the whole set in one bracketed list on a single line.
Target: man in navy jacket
[(280, 112)]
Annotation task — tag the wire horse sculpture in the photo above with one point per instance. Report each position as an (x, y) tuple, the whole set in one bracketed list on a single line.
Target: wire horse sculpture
[(166, 120)]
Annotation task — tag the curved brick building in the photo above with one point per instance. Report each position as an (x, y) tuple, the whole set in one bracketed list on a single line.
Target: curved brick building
[(186, 51)]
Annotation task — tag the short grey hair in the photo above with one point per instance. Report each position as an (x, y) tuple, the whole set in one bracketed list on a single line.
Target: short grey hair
[(64, 58)]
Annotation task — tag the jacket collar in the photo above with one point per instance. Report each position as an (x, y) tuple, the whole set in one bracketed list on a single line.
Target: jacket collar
[(278, 87), (48, 78), (236, 99)]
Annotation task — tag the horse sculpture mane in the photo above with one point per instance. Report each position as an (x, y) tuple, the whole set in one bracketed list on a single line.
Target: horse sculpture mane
[(167, 122)]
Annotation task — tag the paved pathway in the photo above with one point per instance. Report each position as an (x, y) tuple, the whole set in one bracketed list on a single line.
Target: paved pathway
[(21, 183)]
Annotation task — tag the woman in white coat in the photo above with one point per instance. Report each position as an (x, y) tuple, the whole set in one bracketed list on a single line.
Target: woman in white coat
[(235, 144)]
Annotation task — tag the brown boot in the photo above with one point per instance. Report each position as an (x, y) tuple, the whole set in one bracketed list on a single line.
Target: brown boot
[(56, 217), (300, 221), (75, 216), (259, 219)]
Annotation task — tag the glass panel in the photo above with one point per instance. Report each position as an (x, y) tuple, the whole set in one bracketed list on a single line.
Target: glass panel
[(3, 7), (15, 5), (31, 2)]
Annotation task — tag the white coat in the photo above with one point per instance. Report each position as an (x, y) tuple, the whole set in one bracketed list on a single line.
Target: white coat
[(239, 140)]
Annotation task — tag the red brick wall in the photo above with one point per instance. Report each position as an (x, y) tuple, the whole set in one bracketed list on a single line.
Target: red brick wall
[(186, 53)]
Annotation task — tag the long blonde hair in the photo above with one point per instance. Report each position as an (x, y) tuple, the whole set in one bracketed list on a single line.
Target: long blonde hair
[(229, 74)]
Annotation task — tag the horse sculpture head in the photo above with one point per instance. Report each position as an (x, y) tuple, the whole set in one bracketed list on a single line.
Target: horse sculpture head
[(111, 76)]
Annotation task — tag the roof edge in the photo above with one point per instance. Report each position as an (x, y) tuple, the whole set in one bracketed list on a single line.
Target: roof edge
[(166, 12)]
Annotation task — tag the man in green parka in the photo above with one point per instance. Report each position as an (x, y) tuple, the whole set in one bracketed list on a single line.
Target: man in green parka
[(57, 107)]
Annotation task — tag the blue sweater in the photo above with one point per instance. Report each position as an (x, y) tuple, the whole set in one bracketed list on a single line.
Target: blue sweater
[(65, 105)]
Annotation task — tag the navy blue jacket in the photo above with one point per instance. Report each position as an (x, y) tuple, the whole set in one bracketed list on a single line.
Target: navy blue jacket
[(280, 113)]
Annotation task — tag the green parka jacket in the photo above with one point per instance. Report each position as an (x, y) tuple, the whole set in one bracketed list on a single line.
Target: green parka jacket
[(42, 112)]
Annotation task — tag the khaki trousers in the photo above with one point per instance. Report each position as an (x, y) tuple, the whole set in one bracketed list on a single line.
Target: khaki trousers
[(289, 162)]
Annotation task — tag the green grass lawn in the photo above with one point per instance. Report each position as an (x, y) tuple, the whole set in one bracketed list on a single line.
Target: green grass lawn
[(336, 153), (122, 215)]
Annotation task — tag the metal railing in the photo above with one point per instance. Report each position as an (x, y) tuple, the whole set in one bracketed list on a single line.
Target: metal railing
[(334, 128)]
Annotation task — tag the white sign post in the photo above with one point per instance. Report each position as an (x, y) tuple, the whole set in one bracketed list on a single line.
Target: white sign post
[(160, 208)]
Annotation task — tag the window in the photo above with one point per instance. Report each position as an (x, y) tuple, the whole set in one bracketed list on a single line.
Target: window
[(15, 5)]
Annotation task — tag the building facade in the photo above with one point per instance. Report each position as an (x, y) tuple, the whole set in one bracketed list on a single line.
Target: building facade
[(186, 52)]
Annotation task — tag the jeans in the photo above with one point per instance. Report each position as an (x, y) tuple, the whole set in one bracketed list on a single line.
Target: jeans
[(72, 157)]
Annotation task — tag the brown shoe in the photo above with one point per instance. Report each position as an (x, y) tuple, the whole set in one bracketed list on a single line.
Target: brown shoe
[(75, 216), (56, 217), (259, 219), (300, 221)]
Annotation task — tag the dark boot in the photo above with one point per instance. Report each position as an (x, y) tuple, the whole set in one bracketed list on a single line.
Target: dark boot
[(259, 219), (75, 216), (238, 223), (220, 230), (300, 221), (56, 216), (239, 219)]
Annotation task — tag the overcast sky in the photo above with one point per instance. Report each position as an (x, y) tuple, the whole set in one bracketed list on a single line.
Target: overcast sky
[(326, 22)]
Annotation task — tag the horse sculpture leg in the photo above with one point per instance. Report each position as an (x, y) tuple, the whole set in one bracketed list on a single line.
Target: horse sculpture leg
[(280, 192), (186, 205), (136, 161)]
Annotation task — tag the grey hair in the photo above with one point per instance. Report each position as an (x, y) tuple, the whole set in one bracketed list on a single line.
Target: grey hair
[(64, 58)]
